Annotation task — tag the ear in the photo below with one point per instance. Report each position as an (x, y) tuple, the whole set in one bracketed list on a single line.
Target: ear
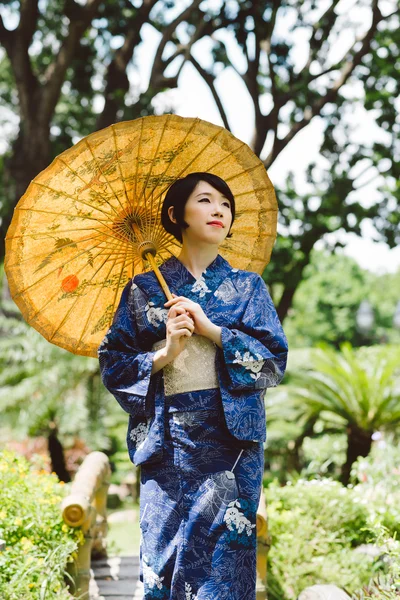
[(171, 214)]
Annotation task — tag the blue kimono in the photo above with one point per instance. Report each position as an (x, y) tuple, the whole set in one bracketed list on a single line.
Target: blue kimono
[(201, 450)]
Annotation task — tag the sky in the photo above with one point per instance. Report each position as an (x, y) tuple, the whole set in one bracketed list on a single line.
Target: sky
[(192, 98)]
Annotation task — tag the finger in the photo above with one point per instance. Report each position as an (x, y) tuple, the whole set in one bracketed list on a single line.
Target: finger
[(187, 306), (184, 318), (180, 329), (174, 300), (175, 311)]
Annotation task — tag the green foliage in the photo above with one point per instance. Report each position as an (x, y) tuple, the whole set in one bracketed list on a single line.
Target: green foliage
[(383, 586), (41, 383), (377, 477), (323, 454), (335, 197), (354, 387), (387, 586), (328, 298), (38, 542), (350, 393), (315, 527)]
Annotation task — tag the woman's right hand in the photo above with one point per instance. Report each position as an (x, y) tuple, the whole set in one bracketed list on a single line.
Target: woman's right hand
[(179, 328)]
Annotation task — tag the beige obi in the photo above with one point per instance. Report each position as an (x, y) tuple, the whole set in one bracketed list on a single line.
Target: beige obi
[(193, 369)]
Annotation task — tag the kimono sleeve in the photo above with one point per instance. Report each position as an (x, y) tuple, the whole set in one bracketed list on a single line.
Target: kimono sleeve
[(125, 365), (255, 354)]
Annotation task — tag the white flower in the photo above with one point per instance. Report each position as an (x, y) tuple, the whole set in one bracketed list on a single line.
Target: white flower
[(235, 519), (226, 292), (139, 434), (150, 578), (201, 287), (156, 314), (251, 363)]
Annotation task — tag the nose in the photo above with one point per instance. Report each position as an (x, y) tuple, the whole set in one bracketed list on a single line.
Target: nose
[(217, 212)]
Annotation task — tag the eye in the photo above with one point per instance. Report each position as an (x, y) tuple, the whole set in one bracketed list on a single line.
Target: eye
[(228, 204), (204, 200)]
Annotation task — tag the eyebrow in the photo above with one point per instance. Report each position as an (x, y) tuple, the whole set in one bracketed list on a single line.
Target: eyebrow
[(209, 194)]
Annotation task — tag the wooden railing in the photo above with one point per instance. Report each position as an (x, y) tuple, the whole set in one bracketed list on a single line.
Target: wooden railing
[(86, 506), (263, 545)]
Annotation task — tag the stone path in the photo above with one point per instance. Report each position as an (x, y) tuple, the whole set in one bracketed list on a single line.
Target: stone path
[(116, 578)]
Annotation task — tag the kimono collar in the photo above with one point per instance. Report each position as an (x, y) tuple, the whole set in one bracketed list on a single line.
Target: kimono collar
[(182, 283), (180, 279)]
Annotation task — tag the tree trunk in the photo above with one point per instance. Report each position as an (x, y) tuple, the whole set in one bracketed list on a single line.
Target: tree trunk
[(359, 443), (286, 302), (56, 452), (31, 154), (295, 461)]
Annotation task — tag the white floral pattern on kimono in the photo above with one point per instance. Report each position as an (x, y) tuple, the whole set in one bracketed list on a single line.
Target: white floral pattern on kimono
[(139, 434), (150, 578), (235, 519), (189, 594), (251, 363), (226, 292), (155, 314), (200, 287)]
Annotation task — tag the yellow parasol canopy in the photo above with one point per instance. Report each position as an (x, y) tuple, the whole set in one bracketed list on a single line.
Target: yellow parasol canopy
[(77, 233)]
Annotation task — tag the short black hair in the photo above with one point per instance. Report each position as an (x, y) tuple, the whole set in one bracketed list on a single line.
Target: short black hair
[(178, 194)]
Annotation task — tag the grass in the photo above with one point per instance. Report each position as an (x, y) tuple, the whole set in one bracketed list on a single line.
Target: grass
[(123, 537)]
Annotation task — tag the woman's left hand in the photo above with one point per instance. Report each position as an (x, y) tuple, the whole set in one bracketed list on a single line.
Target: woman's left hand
[(202, 324)]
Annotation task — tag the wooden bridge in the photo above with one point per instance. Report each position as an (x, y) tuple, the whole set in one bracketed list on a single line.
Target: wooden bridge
[(116, 578)]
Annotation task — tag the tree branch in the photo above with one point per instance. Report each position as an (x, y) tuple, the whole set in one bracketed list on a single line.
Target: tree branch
[(28, 20), (19, 41), (157, 78), (264, 123), (116, 76), (352, 62), (209, 78), (324, 25), (55, 73)]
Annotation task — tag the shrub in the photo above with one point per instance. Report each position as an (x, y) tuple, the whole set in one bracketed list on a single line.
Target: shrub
[(387, 586), (315, 527), (38, 543), (378, 477)]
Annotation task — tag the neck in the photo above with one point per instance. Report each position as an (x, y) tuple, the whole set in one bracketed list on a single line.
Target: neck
[(197, 258)]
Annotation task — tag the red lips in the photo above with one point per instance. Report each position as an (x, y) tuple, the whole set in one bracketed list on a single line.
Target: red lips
[(218, 223)]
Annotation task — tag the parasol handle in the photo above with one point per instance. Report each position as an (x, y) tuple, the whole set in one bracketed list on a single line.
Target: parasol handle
[(148, 251), (163, 283)]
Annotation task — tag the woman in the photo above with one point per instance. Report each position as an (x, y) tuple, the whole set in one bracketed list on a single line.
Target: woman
[(196, 401)]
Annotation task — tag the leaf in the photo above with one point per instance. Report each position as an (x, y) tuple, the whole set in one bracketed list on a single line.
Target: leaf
[(46, 261), (62, 242)]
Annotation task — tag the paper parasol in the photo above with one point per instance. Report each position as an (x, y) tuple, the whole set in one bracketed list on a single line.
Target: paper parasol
[(73, 243)]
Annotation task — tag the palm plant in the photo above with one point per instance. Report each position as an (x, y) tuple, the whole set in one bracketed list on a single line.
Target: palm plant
[(356, 391)]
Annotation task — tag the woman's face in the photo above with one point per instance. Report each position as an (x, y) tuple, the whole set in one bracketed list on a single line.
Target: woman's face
[(208, 214)]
